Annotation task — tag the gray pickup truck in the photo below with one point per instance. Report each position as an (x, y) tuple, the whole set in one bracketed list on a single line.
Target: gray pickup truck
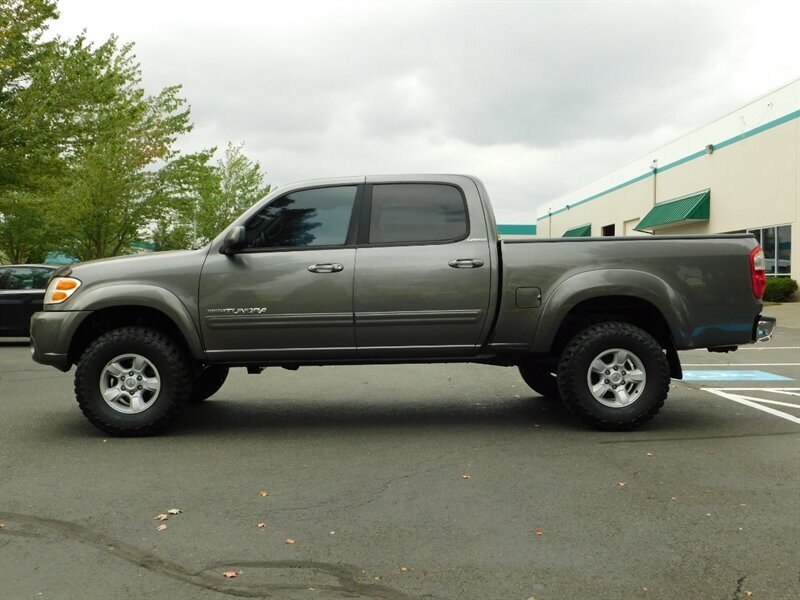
[(401, 269)]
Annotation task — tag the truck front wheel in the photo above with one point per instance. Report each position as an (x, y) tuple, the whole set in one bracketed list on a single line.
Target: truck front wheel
[(132, 381), (613, 376)]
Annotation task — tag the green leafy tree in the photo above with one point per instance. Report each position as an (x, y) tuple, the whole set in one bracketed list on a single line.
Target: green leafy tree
[(183, 184), (113, 192), (240, 183), (29, 154), (28, 134), (88, 163)]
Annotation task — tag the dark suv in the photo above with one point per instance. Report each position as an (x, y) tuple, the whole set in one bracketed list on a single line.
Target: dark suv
[(22, 290)]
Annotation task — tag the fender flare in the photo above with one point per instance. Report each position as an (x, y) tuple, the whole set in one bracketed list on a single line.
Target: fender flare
[(144, 295), (588, 285)]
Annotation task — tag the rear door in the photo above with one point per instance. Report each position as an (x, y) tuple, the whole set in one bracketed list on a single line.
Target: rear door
[(423, 270), (289, 293)]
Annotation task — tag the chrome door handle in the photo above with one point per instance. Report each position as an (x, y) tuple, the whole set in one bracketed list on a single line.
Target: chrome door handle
[(326, 268), (466, 263)]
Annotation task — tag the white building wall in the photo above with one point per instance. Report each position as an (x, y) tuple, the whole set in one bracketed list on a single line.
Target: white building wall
[(753, 174)]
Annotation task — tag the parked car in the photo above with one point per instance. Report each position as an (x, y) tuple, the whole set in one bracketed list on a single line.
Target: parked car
[(398, 269), (22, 290)]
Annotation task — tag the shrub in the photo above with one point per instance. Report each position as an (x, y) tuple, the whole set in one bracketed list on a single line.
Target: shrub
[(780, 289)]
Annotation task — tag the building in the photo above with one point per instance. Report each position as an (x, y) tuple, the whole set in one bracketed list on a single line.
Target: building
[(739, 173), (516, 231)]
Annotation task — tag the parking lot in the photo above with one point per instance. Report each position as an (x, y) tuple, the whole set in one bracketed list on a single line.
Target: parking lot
[(401, 482)]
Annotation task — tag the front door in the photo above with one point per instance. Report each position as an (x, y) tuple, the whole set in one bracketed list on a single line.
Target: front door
[(289, 293)]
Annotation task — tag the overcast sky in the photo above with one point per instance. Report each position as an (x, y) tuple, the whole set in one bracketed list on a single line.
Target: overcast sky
[(534, 98)]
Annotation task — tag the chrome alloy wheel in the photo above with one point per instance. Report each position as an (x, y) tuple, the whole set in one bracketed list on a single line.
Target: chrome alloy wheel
[(130, 384), (616, 378)]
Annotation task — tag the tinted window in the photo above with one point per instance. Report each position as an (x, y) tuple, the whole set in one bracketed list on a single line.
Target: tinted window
[(784, 249), (416, 212), (319, 217), (27, 278)]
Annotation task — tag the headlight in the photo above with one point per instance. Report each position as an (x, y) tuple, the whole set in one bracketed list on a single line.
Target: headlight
[(60, 288)]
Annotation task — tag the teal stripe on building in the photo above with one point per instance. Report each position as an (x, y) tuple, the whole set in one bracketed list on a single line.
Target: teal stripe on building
[(516, 229), (747, 134)]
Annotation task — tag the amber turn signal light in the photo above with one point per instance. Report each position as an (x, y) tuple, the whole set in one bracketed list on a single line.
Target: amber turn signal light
[(60, 289), (66, 284)]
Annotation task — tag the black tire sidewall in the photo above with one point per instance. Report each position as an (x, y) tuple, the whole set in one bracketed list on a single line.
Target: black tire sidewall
[(161, 352), (585, 347)]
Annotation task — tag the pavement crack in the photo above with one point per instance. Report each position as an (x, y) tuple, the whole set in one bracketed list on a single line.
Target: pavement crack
[(346, 576), (698, 438), (737, 593)]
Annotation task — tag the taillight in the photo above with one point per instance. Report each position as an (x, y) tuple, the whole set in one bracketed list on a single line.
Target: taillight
[(758, 275)]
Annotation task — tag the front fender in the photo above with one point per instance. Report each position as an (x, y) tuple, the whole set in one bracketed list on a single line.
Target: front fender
[(611, 282), (150, 296)]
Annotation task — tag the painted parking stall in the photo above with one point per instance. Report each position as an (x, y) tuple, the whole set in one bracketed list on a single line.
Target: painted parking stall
[(765, 400), (765, 376)]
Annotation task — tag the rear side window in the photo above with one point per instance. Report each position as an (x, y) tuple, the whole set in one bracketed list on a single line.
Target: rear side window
[(416, 212), (318, 217)]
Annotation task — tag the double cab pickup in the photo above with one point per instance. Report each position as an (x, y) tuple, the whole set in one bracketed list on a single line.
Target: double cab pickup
[(397, 269)]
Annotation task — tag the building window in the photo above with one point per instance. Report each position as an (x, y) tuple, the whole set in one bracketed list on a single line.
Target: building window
[(777, 245), (608, 230)]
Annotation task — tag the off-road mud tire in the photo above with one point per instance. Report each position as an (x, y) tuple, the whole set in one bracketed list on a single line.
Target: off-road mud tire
[(577, 359), (174, 374)]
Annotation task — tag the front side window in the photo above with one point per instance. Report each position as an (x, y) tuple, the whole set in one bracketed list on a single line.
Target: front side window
[(416, 212), (307, 218)]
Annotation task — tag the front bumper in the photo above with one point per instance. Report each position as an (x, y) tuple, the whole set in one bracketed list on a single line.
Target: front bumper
[(765, 327), (51, 334)]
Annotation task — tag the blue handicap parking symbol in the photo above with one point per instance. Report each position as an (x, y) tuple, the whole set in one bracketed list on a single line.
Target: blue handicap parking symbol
[(732, 375)]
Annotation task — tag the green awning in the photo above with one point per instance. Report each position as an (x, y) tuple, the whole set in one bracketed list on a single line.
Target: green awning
[(694, 207), (579, 231)]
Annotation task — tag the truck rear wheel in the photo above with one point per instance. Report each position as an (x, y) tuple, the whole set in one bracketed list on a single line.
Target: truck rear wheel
[(540, 379), (207, 383), (132, 381), (613, 376)]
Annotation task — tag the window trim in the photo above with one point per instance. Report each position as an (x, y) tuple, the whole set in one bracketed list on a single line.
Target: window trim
[(760, 241), (366, 216), (352, 228)]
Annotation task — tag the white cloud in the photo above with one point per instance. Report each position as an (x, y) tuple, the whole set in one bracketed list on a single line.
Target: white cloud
[(535, 98)]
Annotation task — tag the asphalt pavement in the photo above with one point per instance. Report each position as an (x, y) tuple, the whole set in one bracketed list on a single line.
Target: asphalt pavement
[(408, 482)]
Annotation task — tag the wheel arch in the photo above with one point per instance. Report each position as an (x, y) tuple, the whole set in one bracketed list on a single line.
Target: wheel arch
[(634, 297), (148, 306)]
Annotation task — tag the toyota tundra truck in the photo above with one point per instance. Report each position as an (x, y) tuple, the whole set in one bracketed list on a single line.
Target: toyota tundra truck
[(399, 269)]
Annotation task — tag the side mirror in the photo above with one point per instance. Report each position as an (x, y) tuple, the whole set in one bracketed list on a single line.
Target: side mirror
[(234, 240)]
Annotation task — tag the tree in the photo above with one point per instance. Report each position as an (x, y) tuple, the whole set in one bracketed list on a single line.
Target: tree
[(80, 139), (88, 163), (28, 142), (240, 185), (183, 183)]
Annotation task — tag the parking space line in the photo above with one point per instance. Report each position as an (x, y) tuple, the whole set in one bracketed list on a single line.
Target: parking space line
[(786, 392), (741, 364), (758, 404), (773, 402), (794, 391), (772, 348)]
